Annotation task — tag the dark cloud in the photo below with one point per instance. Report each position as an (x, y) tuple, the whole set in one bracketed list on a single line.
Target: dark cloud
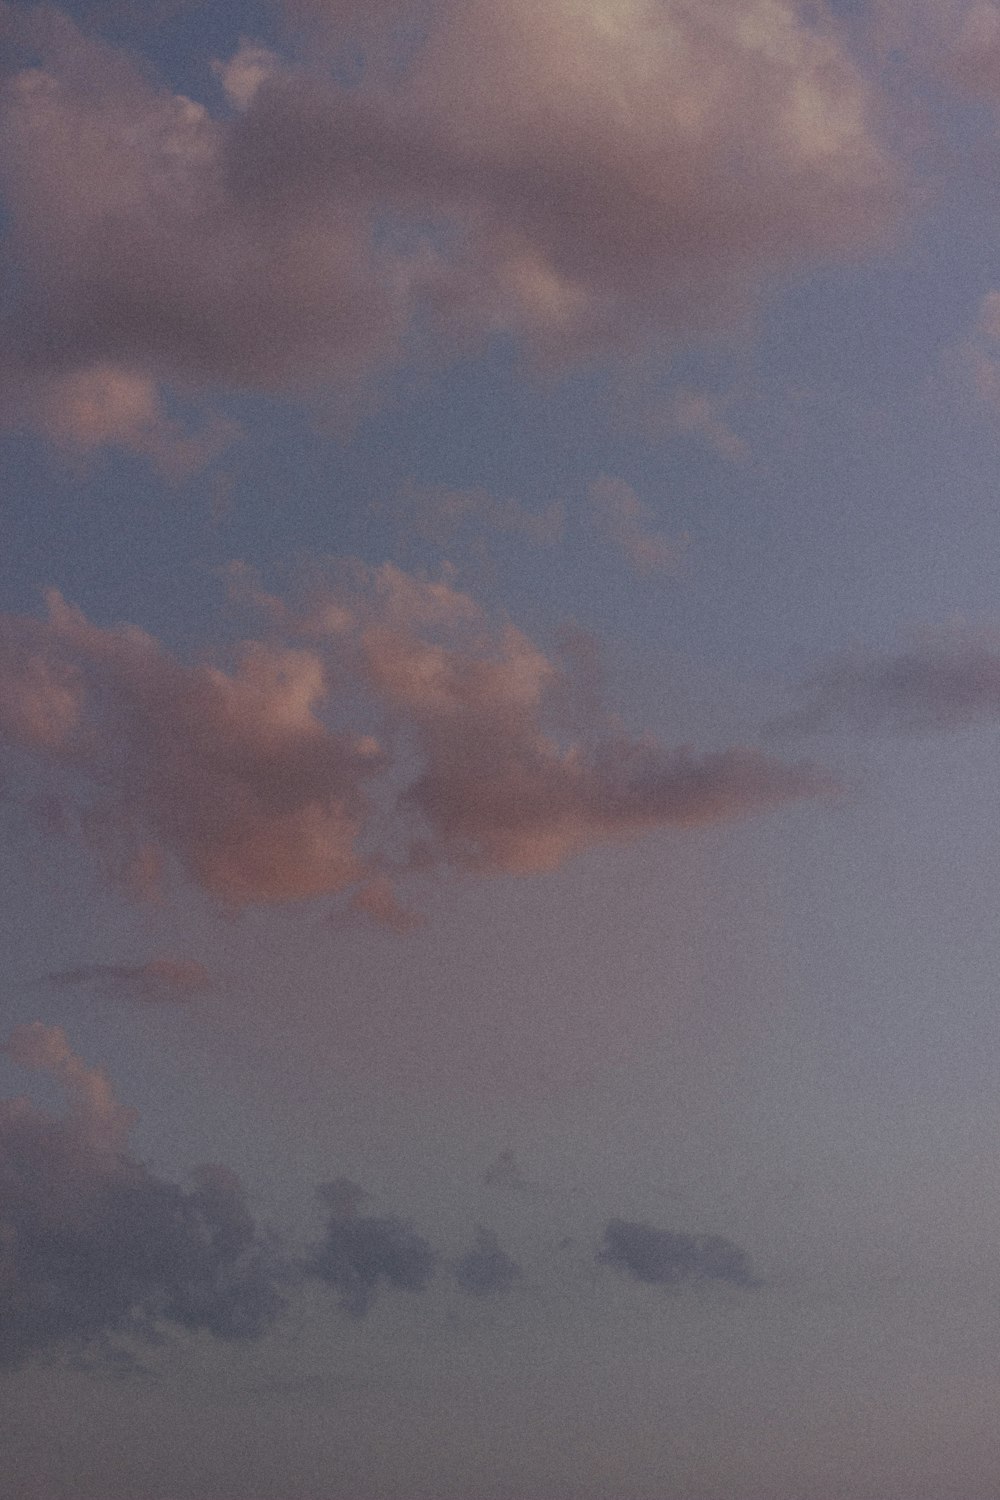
[(664, 1258), (359, 1252), (485, 1270), (935, 685), (94, 1247), (159, 980)]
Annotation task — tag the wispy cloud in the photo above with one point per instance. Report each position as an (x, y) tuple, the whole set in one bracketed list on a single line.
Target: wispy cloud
[(157, 981), (939, 683), (622, 519)]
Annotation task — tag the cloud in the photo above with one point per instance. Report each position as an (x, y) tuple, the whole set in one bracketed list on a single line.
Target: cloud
[(98, 1254), (485, 1270), (358, 1252), (458, 757), (94, 1247), (663, 1258), (946, 683), (622, 519), (499, 791), (108, 405), (159, 980), (583, 177), (230, 772)]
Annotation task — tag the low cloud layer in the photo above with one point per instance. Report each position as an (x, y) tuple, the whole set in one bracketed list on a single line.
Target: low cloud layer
[(662, 1257), (94, 1247), (386, 726), (100, 1256), (582, 179)]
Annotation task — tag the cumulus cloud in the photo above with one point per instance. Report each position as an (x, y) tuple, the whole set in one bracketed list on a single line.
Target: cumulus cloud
[(93, 1246), (358, 1253), (499, 791), (938, 684), (664, 1258), (159, 980), (485, 1270), (230, 772), (582, 176), (236, 773)]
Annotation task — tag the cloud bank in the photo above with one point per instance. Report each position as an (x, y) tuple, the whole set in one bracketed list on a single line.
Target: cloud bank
[(579, 176)]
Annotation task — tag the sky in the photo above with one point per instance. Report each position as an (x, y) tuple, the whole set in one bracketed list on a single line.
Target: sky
[(499, 702)]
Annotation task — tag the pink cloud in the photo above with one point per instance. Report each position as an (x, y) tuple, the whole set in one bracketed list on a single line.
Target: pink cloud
[(585, 177), (498, 789), (457, 753), (231, 773)]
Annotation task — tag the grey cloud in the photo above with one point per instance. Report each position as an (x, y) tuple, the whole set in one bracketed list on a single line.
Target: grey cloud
[(485, 1270), (357, 1253), (662, 1257), (95, 1248), (934, 685), (159, 980)]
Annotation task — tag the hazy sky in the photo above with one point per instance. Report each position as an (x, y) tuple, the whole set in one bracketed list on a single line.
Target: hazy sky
[(499, 700)]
